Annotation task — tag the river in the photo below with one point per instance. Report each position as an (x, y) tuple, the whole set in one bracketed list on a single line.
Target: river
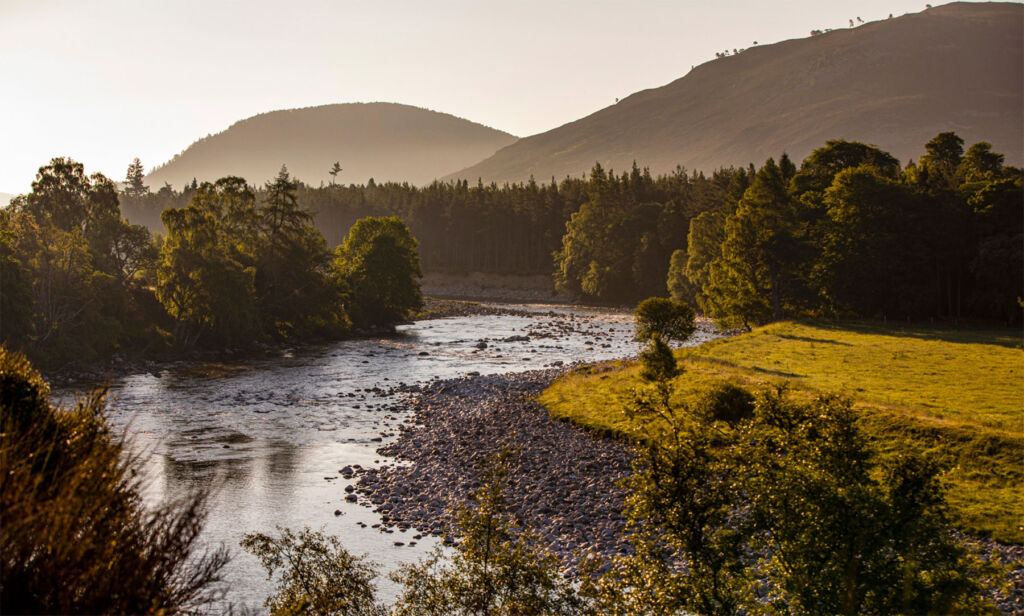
[(270, 435)]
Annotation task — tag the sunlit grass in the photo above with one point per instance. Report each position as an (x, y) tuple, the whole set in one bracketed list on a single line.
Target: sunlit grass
[(956, 394)]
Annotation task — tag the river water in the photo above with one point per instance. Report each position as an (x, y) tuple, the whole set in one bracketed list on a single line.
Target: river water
[(270, 435)]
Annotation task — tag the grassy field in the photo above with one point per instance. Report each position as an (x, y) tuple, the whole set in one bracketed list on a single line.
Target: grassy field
[(957, 394)]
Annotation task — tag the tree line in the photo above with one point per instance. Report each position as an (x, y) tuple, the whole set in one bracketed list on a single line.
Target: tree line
[(80, 282), (851, 232), (507, 229)]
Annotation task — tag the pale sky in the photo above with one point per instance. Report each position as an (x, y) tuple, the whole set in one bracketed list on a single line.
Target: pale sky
[(104, 81)]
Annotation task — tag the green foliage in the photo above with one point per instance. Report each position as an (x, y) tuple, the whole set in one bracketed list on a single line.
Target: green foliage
[(617, 245), (73, 265), (686, 526), (498, 568), (657, 363), (318, 575), (792, 505), (296, 294), (703, 248), (843, 538), (379, 263), (75, 537), (757, 270), (949, 393), (848, 234), (232, 271), (726, 402), (199, 283), (668, 318)]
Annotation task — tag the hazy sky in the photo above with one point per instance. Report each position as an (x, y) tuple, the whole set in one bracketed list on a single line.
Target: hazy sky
[(104, 81)]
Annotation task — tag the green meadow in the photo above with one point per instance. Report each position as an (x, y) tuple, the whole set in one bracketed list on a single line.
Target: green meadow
[(954, 394)]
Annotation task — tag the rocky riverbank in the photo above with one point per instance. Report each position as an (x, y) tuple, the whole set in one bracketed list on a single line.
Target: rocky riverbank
[(562, 481)]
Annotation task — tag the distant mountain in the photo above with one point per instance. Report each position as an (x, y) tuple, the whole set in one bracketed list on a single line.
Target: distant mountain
[(385, 141), (5, 198), (894, 83)]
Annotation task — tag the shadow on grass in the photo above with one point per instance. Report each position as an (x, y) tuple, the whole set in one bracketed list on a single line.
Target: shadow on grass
[(809, 339), (787, 375), (1010, 337)]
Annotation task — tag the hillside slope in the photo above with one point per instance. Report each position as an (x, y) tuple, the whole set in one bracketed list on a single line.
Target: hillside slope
[(385, 141), (894, 83)]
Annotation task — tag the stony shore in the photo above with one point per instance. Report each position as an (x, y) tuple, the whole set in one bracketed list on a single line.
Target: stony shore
[(562, 481)]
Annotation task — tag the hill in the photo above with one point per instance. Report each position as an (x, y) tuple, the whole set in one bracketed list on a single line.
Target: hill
[(385, 141), (894, 83)]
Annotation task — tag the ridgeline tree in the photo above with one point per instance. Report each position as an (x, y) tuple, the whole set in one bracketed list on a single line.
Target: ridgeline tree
[(134, 188)]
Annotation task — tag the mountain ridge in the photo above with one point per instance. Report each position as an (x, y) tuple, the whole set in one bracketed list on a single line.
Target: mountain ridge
[(881, 82), (385, 141)]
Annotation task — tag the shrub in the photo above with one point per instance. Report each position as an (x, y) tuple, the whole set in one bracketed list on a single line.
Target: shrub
[(318, 575), (75, 536), (657, 363), (670, 319), (725, 402)]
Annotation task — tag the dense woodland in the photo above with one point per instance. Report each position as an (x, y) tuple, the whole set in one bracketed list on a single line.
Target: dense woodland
[(80, 282), (851, 232)]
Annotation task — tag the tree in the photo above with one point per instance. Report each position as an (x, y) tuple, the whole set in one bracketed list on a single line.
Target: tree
[(756, 276), (670, 319), (498, 570), (335, 170), (16, 308), (295, 293), (686, 525), (318, 575), (59, 195), (703, 248), (133, 186), (199, 283), (76, 537), (869, 245), (380, 264), (820, 168)]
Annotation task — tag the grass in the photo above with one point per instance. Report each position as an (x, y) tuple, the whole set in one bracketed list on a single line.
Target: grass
[(956, 394)]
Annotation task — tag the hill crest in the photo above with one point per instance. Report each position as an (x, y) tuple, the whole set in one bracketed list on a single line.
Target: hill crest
[(385, 141), (893, 83)]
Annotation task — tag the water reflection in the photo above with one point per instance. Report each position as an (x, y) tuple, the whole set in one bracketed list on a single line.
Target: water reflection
[(270, 435)]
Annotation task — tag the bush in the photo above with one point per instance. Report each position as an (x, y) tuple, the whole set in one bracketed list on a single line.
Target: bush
[(318, 575), (75, 536), (499, 569), (657, 363), (670, 319), (725, 402)]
